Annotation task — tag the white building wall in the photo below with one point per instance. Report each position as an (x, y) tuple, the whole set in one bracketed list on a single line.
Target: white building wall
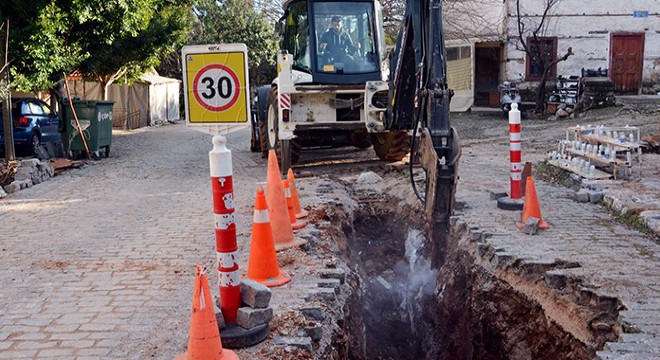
[(586, 26)]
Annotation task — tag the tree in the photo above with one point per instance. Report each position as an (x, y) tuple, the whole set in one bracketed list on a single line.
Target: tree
[(531, 39), (469, 19), (157, 33), (103, 39), (236, 21)]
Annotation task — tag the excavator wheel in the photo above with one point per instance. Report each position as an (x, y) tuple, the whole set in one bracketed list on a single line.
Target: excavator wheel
[(361, 140), (263, 138), (391, 146), (269, 130), (257, 143)]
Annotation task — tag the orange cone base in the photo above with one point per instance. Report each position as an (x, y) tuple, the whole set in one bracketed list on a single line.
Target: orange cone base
[(226, 355), (299, 224), (295, 243), (542, 225), (302, 214), (280, 280)]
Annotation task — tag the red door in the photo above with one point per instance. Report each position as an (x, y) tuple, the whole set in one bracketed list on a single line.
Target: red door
[(626, 61)]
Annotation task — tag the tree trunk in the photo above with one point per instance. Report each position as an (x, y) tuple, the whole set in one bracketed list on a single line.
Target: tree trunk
[(540, 92)]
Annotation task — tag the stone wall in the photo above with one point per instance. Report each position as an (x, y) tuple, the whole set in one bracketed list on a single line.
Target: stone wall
[(30, 172)]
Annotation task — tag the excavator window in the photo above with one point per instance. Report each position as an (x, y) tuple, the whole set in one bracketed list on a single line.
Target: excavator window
[(296, 36), (345, 37)]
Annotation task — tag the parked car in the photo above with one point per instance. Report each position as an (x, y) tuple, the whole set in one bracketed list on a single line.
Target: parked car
[(34, 124)]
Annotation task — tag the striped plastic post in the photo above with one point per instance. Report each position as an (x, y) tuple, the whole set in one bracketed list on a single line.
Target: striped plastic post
[(515, 152), (225, 228)]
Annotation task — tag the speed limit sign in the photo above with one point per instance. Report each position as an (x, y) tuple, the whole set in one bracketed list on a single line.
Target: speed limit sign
[(216, 86)]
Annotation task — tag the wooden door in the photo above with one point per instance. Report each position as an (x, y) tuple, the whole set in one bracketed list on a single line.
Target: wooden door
[(626, 61), (486, 73)]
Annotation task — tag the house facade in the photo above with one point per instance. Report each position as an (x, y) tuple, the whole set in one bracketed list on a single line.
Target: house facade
[(620, 36)]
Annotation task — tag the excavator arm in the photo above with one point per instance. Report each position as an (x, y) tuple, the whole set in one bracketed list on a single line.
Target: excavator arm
[(419, 100)]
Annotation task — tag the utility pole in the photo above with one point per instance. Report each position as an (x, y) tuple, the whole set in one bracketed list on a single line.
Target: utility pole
[(6, 109)]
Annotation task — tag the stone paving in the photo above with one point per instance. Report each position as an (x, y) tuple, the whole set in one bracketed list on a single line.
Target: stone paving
[(97, 263), (613, 259)]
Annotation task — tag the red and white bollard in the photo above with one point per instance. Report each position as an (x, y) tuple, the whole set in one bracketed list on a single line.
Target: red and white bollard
[(515, 152), (514, 201), (225, 228)]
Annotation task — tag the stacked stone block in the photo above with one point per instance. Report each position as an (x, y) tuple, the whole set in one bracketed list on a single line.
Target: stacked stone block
[(30, 172)]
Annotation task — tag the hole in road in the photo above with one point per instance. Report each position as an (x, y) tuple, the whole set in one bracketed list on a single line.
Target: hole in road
[(402, 307)]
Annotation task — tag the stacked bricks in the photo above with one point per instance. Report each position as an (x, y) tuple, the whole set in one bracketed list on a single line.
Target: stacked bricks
[(257, 298)]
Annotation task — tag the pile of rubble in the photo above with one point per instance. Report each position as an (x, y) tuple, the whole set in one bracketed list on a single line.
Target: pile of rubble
[(563, 111), (29, 172)]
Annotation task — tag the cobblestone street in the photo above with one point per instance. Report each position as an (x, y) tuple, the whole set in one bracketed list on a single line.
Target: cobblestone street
[(98, 262)]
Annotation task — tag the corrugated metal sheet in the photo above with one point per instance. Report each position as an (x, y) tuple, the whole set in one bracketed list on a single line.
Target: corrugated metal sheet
[(459, 74)]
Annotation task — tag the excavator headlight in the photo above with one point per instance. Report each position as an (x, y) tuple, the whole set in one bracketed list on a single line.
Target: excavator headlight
[(285, 115)]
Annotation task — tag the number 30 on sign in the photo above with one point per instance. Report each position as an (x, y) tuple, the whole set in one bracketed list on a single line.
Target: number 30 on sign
[(216, 87)]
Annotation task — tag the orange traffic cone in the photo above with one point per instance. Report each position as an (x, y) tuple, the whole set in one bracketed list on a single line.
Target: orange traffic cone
[(300, 213), (204, 340), (262, 265), (295, 223), (531, 206), (277, 209)]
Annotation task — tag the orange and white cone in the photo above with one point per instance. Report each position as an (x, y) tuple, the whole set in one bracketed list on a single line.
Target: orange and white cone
[(531, 206), (277, 208), (262, 265), (300, 212), (295, 223), (204, 340)]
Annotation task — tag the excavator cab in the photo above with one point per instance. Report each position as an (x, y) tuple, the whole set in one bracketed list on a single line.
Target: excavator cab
[(336, 42)]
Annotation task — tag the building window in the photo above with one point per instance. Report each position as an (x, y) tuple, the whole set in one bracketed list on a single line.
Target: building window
[(456, 53), (544, 51)]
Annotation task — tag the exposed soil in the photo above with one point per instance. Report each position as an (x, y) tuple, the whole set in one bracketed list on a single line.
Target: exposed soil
[(401, 307)]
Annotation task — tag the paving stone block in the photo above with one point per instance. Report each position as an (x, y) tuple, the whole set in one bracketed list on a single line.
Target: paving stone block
[(255, 294), (248, 317), (13, 187), (331, 284), (582, 196), (314, 313), (19, 354), (301, 342), (532, 226), (632, 348), (27, 183), (337, 273), (3, 193), (503, 259), (609, 199), (495, 194), (29, 162), (595, 197), (321, 294), (314, 332), (555, 279)]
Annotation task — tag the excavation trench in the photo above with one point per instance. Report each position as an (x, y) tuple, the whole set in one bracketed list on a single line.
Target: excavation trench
[(407, 303)]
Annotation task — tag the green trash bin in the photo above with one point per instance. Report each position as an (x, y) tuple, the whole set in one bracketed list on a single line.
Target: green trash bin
[(95, 118)]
